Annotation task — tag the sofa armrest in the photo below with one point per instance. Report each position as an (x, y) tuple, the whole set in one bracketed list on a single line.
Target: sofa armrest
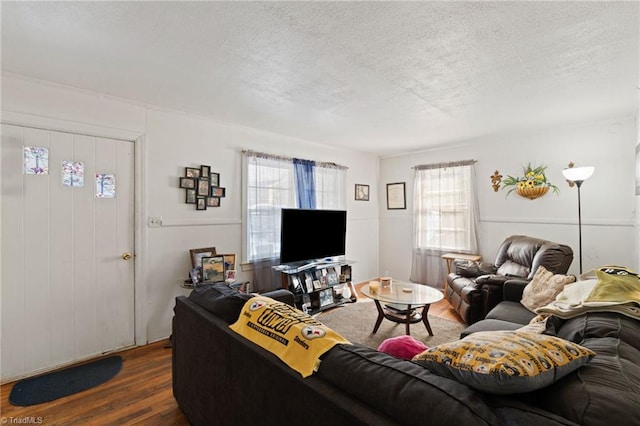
[(513, 288), (281, 295)]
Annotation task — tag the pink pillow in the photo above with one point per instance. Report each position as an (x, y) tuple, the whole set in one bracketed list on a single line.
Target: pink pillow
[(403, 347)]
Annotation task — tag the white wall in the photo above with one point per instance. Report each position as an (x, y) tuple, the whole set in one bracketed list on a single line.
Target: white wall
[(607, 197), (171, 141), (175, 141)]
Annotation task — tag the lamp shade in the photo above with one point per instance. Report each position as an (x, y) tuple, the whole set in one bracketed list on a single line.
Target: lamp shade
[(578, 174)]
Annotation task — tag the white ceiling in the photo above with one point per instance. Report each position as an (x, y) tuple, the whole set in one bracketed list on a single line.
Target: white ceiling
[(374, 76)]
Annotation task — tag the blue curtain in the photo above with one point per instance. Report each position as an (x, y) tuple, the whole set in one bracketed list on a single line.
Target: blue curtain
[(305, 183)]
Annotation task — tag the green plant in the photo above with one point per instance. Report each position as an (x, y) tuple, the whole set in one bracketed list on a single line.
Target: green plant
[(532, 177)]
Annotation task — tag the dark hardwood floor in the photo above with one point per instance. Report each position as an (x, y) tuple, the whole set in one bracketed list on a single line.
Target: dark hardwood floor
[(140, 394)]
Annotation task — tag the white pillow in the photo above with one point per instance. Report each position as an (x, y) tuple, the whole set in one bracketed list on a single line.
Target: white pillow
[(543, 288)]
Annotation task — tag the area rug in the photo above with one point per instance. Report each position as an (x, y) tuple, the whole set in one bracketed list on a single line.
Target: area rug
[(61, 383), (355, 322)]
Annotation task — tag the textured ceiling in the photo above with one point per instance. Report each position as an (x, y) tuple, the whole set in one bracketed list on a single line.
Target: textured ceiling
[(374, 76)]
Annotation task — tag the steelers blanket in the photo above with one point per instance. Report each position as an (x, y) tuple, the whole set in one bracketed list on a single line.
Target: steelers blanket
[(290, 334), (607, 289)]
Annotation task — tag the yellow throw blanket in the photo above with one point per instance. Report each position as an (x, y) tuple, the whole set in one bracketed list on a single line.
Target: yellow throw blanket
[(293, 336), (612, 289)]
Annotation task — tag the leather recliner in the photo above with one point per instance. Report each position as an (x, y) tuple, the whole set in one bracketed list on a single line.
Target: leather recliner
[(474, 289)]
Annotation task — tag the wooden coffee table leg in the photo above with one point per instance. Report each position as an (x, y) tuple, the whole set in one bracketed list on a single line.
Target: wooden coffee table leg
[(408, 320), (380, 316), (425, 319)]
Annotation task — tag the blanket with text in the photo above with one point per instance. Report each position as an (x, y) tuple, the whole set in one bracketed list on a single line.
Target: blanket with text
[(293, 336), (608, 289)]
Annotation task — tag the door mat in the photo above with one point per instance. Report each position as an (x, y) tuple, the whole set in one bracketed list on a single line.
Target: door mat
[(61, 383)]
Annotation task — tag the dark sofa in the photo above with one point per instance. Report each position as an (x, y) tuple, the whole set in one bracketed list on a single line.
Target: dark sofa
[(221, 378), (473, 291)]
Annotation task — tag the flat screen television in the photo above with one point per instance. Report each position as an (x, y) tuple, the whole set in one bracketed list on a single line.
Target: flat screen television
[(309, 235)]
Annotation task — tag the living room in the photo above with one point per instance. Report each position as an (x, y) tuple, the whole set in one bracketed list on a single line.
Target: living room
[(167, 139)]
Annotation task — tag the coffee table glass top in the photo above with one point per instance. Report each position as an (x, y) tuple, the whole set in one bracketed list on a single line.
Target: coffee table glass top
[(404, 293)]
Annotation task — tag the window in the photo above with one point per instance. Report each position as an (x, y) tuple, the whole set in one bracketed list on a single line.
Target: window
[(270, 186), (444, 198), (445, 215)]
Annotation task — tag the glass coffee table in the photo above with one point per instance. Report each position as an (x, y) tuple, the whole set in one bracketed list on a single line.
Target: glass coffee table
[(401, 302)]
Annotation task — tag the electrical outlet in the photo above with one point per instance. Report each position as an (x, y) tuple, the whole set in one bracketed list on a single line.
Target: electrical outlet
[(155, 221)]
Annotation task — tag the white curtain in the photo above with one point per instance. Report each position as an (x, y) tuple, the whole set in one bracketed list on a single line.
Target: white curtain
[(445, 217), (269, 187), (331, 185)]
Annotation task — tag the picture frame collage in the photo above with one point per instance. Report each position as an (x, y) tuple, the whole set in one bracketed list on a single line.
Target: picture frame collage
[(202, 187), (209, 267)]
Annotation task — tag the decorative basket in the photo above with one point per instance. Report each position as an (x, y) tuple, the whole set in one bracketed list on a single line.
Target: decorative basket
[(532, 192)]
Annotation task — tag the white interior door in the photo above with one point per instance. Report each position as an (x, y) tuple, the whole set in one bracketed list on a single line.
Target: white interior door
[(67, 292)]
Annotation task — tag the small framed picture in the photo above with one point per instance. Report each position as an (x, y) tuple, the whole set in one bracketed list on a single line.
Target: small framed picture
[(362, 192), (199, 253), (191, 196), (215, 179), (213, 202), (195, 274), (217, 191), (205, 171), (396, 196), (308, 282), (332, 277), (230, 275), (229, 261), (186, 182), (203, 187), (201, 203), (213, 269), (326, 297), (191, 172), (295, 281), (317, 285)]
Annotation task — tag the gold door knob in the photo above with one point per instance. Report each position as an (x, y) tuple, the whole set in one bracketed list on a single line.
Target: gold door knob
[(127, 256)]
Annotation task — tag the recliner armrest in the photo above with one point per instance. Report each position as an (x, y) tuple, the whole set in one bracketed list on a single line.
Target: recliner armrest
[(513, 288)]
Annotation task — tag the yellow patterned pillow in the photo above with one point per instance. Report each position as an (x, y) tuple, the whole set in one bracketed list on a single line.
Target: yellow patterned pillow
[(505, 362)]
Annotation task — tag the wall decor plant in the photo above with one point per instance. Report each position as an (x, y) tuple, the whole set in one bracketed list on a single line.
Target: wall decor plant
[(202, 187), (531, 185)]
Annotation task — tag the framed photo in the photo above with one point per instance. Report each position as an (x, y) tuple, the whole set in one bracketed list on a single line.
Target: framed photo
[(201, 203), (191, 172), (213, 202), (230, 275), (199, 253), (213, 269), (191, 196), (332, 277), (217, 191), (326, 297), (362, 192), (203, 187), (214, 178), (205, 171), (295, 282), (195, 275), (229, 261), (188, 183), (396, 196), (308, 281), (317, 285)]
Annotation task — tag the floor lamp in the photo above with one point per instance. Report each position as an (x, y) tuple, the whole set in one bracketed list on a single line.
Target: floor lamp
[(578, 175)]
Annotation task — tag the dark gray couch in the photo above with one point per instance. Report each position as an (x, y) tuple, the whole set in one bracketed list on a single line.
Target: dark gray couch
[(223, 379)]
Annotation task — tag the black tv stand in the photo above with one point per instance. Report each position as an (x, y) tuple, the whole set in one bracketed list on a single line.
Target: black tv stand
[(318, 284)]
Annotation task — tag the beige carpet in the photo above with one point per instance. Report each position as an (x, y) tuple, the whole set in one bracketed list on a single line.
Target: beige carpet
[(355, 322)]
